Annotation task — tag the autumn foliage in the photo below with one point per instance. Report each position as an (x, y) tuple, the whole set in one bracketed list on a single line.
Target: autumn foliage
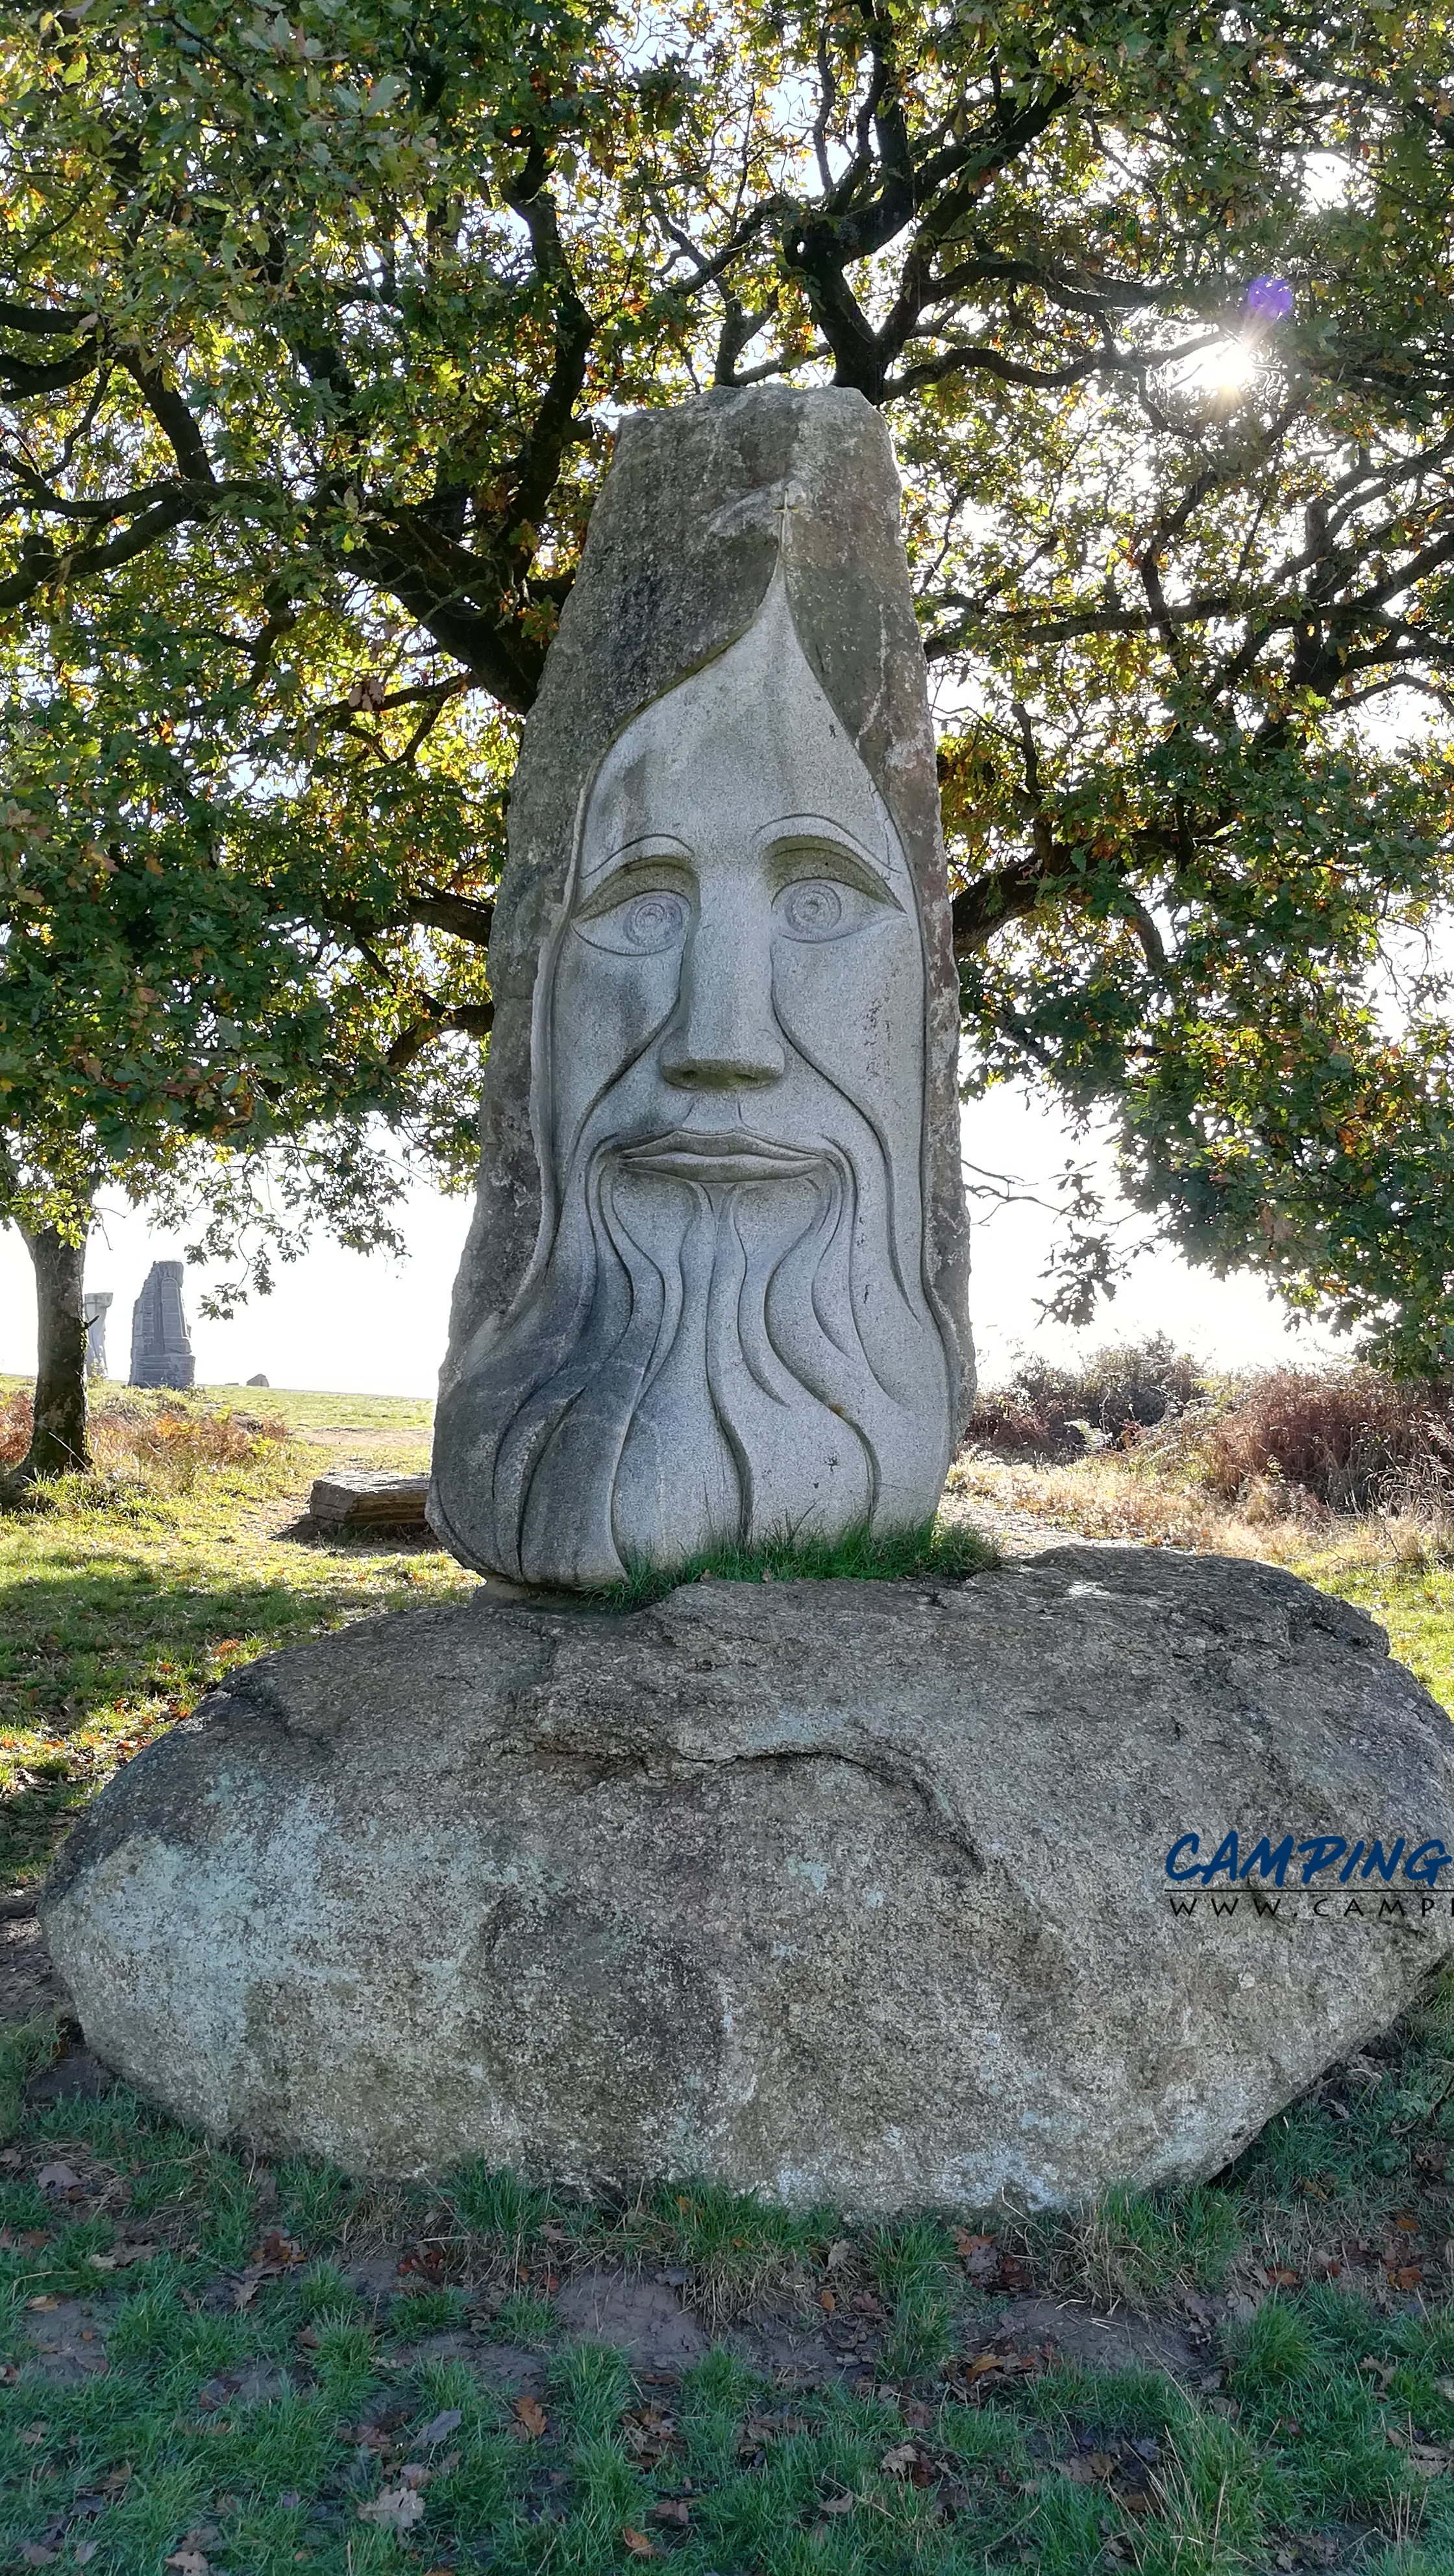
[(163, 1446)]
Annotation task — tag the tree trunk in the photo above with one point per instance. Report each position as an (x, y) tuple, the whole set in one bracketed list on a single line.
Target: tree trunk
[(58, 1434)]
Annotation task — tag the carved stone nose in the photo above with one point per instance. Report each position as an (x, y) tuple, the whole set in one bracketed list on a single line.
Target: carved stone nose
[(724, 1068), (724, 1036)]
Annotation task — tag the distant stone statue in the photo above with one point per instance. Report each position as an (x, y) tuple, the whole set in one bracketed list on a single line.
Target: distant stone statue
[(95, 1303), (161, 1348), (714, 1290)]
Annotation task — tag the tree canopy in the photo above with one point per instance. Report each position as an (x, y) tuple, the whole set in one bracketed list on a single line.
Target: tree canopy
[(313, 327)]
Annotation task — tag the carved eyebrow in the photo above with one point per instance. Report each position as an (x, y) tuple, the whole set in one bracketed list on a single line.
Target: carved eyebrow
[(655, 859), (802, 844)]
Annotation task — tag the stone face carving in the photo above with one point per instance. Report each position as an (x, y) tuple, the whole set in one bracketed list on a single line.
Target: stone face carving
[(738, 1308), (95, 1304), (161, 1348)]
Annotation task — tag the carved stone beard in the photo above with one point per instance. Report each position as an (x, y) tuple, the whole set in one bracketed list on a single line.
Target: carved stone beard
[(724, 1334), (770, 1313)]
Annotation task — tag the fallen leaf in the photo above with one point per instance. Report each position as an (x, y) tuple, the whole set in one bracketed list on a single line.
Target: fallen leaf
[(187, 2562), (279, 2249), (394, 2509), (839, 2253), (900, 2459), (1406, 2276), (837, 2504), (638, 2544), (672, 2509), (34, 2433), (531, 2417), (1282, 2279), (34, 2553), (439, 2427), (1409, 2226), (85, 2551), (58, 2178), (44, 2304), (121, 2256), (827, 2301)]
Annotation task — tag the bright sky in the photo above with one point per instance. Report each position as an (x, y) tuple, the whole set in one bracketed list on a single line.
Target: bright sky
[(373, 1326)]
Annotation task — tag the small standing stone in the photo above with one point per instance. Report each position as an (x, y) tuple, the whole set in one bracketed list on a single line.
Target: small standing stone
[(95, 1303), (363, 1498), (259, 1380), (161, 1347)]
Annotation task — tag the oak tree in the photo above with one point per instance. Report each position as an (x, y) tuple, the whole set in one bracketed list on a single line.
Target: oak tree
[(313, 325)]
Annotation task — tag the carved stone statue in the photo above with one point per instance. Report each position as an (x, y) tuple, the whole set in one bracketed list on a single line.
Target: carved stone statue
[(715, 1286)]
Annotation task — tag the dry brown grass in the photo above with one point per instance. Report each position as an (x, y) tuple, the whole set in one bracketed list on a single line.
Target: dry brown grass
[(1138, 1496), (162, 1442)]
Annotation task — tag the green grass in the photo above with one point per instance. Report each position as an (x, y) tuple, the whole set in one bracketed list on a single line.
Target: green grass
[(304, 1410), (300, 1408), (945, 1548), (1415, 1603), (265, 2421)]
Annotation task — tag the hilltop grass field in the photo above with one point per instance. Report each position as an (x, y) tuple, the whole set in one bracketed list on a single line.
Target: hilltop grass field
[(214, 2367)]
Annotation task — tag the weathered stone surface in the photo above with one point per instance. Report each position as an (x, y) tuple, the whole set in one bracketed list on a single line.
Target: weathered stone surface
[(851, 1891), (360, 1498), (715, 1286), (96, 1304), (161, 1346), (259, 1380)]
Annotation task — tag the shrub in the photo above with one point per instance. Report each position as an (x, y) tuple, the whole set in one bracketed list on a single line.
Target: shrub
[(1047, 1411), (161, 1441), (15, 1421), (1352, 1438)]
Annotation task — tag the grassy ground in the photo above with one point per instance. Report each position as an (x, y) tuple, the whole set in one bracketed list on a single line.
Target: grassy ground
[(120, 1604), (408, 1415), (301, 2373)]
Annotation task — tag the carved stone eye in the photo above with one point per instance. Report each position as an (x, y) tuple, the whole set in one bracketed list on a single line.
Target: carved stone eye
[(816, 908), (640, 927)]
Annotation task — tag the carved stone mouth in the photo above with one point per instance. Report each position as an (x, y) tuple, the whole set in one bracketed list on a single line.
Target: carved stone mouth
[(691, 1155)]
